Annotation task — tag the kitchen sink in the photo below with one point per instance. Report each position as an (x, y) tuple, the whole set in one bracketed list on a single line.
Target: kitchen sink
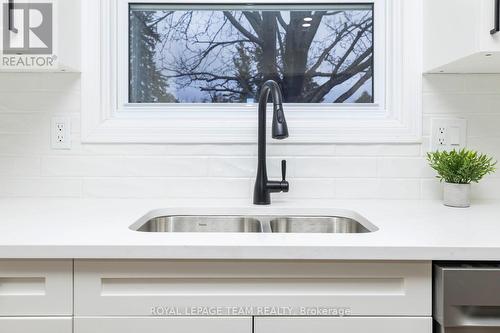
[(232, 224), (319, 225), (156, 222)]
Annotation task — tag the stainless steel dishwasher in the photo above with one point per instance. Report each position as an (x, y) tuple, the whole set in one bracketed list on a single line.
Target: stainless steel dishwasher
[(466, 298)]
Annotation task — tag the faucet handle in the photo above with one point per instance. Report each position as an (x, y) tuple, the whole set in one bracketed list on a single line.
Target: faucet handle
[(283, 170)]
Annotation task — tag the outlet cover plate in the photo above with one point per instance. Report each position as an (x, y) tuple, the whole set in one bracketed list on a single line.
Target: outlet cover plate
[(61, 133), (448, 134)]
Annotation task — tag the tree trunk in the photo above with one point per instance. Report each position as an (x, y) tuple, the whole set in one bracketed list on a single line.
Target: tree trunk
[(268, 62), (298, 42), (295, 59)]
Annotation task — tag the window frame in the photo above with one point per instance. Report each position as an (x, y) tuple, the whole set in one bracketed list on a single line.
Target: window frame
[(107, 116)]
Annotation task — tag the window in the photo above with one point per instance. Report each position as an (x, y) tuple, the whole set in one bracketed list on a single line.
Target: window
[(160, 71), (223, 54)]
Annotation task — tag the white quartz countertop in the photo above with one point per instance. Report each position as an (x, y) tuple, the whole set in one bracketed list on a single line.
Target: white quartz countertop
[(99, 229)]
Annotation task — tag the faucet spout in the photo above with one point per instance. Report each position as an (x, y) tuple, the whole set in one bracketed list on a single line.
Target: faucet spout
[(264, 187)]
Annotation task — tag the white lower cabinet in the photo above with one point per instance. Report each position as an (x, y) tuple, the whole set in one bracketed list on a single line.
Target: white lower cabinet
[(136, 288), (163, 325), (36, 288), (376, 297), (344, 325), (36, 325), (36, 296)]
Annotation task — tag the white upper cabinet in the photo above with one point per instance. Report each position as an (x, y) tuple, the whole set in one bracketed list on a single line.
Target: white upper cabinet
[(40, 36), (458, 36)]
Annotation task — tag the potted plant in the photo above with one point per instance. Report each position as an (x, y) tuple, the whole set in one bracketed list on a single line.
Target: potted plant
[(458, 169)]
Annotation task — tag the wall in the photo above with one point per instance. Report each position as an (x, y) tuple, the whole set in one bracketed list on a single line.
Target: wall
[(29, 168)]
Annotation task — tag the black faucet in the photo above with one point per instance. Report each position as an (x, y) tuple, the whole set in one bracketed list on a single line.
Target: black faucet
[(263, 186)]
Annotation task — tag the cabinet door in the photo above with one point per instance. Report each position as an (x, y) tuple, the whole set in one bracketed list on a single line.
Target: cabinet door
[(162, 325), (36, 325), (344, 325), (132, 288), (36, 288)]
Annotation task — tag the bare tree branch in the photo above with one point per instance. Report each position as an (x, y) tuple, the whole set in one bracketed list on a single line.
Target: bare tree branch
[(317, 95), (242, 29), (326, 52), (345, 96), (282, 21), (255, 21), (221, 90), (160, 19), (350, 50), (205, 76)]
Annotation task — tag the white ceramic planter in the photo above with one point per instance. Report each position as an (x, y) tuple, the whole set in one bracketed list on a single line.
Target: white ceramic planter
[(457, 195)]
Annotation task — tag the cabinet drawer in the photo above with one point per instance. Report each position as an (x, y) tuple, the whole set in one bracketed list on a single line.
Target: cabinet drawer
[(36, 288), (162, 325), (344, 325), (36, 325), (138, 288)]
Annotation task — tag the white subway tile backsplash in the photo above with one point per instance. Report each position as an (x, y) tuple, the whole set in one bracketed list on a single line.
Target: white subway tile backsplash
[(493, 104), (440, 83), (405, 189), (482, 84), (19, 166), (357, 188), (311, 188), (378, 150), (484, 125), (432, 189), (489, 188), (124, 188), (59, 82), (39, 101), (285, 149), (136, 150), (487, 145), (226, 167), (28, 166), (404, 168), (99, 166), (24, 123), (456, 104), (40, 187), (314, 167), (196, 150), (166, 188), (23, 144), (247, 167)]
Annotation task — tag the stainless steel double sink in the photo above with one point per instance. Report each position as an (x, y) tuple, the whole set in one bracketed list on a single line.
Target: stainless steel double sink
[(253, 224)]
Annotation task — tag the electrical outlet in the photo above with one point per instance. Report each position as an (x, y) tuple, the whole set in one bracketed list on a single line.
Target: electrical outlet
[(61, 133), (448, 134)]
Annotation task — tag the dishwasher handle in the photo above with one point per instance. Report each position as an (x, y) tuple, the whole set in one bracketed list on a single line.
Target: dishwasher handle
[(474, 316)]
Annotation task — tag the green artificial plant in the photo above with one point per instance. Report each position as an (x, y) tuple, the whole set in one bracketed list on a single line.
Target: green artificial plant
[(461, 166)]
